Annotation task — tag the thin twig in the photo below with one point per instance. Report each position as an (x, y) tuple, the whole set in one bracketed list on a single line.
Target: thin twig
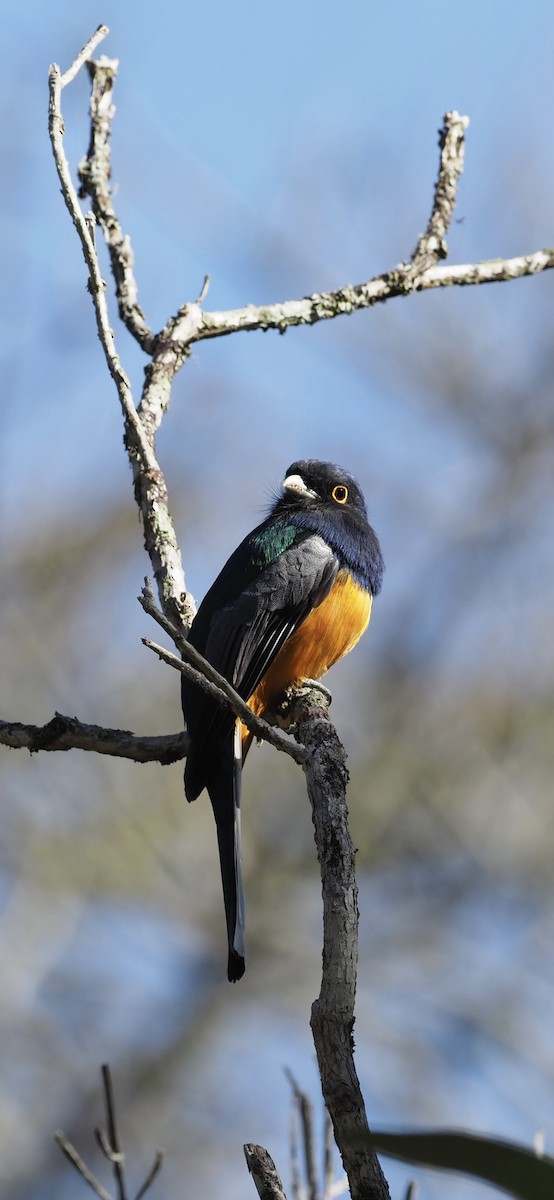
[(204, 290), (293, 1150), (117, 1156), (307, 1123), (206, 676), (203, 674), (111, 1148), (86, 53), (432, 244), (147, 601), (103, 1141), (76, 1161), (152, 1174), (67, 733), (328, 1177), (493, 270), (97, 286)]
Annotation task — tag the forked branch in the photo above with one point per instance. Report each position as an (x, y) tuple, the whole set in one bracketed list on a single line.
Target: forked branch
[(110, 1145)]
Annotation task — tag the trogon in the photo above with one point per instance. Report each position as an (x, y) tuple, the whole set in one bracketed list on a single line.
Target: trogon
[(295, 597)]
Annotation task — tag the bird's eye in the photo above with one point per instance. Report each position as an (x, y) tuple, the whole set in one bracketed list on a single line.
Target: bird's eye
[(340, 493)]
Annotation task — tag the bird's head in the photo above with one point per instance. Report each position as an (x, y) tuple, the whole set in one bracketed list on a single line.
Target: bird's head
[(310, 484)]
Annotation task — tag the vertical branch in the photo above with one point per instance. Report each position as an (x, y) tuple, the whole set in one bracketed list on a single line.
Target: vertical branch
[(432, 245), (116, 1156), (328, 1158), (332, 1019), (140, 426), (305, 1112), (94, 176), (168, 350)]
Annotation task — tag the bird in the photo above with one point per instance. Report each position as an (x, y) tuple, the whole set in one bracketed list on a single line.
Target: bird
[(294, 598)]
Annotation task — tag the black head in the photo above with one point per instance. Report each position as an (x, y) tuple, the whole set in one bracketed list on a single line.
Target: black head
[(310, 483), (326, 500)]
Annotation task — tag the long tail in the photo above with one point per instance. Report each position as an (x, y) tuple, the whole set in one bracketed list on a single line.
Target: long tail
[(224, 788)]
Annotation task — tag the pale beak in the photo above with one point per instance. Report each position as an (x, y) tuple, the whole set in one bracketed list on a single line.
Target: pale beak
[(295, 483)]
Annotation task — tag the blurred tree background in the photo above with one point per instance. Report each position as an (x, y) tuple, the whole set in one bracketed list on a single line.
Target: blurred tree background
[(111, 920)]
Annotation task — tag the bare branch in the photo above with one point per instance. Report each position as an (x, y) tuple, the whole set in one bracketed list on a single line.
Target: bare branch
[(77, 1162), (421, 273), (203, 674), (67, 733), (264, 1173), (307, 1122), (332, 1018), (94, 175), (328, 1158), (85, 54), (169, 348), (204, 289), (493, 270), (150, 488), (111, 1148), (116, 1156), (323, 306), (147, 601), (432, 244), (102, 1139), (293, 1150), (152, 1174), (192, 325)]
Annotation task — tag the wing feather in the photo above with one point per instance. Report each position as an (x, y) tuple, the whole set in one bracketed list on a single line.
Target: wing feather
[(242, 639)]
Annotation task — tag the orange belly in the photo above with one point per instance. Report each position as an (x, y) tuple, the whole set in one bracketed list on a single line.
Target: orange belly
[(327, 634)]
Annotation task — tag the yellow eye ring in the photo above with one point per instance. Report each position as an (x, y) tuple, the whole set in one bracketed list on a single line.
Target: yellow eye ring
[(340, 493)]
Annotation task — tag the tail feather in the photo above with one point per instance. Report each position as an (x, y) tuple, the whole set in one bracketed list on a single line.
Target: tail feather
[(224, 788)]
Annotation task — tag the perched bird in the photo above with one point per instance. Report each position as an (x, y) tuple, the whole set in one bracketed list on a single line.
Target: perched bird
[(294, 598)]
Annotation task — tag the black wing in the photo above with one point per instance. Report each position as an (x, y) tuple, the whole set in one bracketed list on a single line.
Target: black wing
[(242, 639)]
